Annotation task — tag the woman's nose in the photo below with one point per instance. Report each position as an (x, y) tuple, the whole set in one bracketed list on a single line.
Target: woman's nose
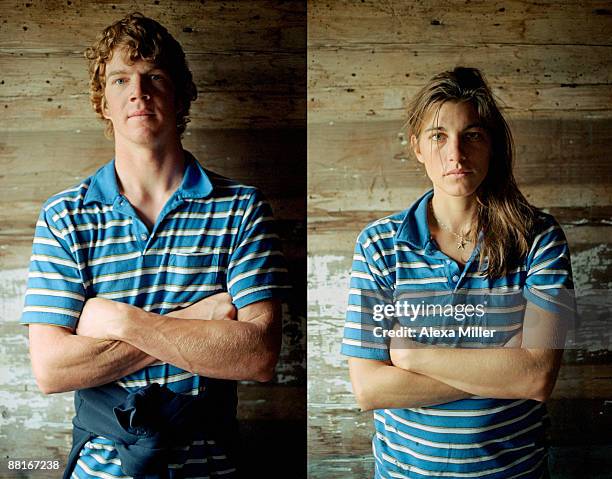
[(455, 149)]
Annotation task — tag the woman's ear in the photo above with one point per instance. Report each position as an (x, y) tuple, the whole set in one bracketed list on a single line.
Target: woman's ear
[(178, 105), (414, 143)]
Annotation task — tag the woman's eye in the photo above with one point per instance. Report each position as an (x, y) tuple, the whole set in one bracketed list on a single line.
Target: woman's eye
[(473, 136), (119, 81), (156, 77), (437, 137)]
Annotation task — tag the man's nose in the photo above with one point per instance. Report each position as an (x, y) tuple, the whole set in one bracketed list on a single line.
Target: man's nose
[(140, 89)]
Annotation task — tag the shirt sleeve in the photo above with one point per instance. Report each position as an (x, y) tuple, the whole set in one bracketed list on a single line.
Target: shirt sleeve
[(257, 269), (549, 282), (55, 292), (371, 288)]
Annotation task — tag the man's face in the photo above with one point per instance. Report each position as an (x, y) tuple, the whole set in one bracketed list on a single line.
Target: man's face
[(454, 147), (139, 101)]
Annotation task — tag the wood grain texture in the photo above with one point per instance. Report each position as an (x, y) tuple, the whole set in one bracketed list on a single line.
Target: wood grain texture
[(460, 23), (248, 61), (367, 59), (364, 156), (54, 25), (356, 66), (548, 63), (43, 163), (385, 103)]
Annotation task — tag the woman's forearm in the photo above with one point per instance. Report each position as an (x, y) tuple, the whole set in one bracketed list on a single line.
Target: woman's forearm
[(381, 386), (509, 373)]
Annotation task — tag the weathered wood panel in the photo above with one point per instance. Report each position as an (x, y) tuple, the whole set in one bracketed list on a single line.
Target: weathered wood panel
[(360, 70), (549, 64), (369, 156), (459, 23), (336, 104), (248, 60), (211, 110), (54, 25), (39, 164), (383, 64), (235, 89)]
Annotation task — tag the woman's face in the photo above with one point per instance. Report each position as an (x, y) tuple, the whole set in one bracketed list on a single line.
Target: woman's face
[(454, 147)]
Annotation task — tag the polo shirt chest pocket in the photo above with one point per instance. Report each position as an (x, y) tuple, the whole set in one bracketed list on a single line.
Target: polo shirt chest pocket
[(202, 271)]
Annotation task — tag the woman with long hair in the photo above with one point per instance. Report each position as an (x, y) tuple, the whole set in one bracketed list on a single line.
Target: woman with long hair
[(458, 305)]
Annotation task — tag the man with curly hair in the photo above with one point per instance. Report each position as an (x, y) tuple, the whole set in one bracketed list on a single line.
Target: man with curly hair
[(154, 284)]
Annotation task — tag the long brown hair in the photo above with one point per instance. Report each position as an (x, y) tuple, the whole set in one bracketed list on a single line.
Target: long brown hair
[(504, 216), (143, 39)]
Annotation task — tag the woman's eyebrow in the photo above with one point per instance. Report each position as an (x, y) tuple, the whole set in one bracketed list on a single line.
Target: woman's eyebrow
[(441, 128), (474, 125)]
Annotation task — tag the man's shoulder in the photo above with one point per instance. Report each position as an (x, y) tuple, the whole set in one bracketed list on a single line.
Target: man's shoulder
[(68, 199), (225, 188)]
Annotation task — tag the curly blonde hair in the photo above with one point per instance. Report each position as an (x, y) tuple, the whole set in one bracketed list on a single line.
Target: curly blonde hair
[(143, 39)]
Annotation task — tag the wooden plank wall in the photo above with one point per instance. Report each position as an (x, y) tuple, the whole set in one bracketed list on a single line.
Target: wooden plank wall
[(550, 65), (248, 60)]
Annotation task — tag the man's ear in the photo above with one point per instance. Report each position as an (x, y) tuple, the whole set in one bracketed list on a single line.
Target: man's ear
[(105, 110), (178, 105), (414, 143)]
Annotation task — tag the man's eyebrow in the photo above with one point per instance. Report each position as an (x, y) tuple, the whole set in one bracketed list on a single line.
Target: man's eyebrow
[(125, 72), (116, 72)]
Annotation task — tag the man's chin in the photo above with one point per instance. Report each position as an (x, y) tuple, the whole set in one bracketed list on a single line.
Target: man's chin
[(143, 137)]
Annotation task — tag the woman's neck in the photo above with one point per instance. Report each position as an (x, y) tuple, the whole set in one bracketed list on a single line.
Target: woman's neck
[(457, 213)]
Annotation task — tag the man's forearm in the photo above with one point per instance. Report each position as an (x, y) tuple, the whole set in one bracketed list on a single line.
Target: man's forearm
[(64, 362), (214, 348), (498, 373), (381, 386)]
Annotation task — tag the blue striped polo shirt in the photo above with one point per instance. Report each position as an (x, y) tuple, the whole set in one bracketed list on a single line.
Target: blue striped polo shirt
[(397, 261), (214, 234)]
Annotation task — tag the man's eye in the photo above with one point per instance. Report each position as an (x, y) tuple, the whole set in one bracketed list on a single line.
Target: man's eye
[(473, 136), (437, 137), (156, 77)]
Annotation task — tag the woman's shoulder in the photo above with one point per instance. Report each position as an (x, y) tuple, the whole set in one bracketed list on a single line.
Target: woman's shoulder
[(545, 225), (382, 229)]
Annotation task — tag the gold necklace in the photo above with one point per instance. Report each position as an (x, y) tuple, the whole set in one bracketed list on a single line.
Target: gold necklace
[(462, 239)]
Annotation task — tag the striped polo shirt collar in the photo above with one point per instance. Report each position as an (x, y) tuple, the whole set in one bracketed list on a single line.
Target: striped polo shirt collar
[(414, 229), (104, 189)]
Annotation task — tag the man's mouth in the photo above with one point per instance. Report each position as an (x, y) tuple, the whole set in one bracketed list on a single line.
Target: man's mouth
[(140, 113)]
